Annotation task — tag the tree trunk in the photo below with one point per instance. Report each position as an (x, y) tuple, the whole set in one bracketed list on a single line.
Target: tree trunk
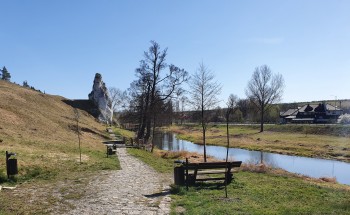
[(227, 148), (228, 139), (141, 131), (205, 150), (145, 109), (262, 120), (148, 128), (153, 130)]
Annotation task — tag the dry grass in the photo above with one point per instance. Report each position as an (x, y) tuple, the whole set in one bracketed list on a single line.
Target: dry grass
[(182, 155), (258, 168), (328, 179)]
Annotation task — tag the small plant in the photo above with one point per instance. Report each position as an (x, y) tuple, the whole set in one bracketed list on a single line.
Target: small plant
[(306, 130), (3, 177), (178, 190), (77, 117), (258, 168)]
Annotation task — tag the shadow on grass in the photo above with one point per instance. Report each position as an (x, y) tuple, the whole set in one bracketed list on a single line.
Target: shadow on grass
[(210, 186)]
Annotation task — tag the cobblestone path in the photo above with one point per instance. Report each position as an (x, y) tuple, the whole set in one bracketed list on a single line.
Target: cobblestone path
[(135, 189)]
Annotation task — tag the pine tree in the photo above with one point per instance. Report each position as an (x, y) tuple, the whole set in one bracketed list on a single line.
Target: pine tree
[(5, 74)]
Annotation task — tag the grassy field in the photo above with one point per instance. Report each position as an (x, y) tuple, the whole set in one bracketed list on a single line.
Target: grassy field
[(302, 140), (41, 129), (254, 191)]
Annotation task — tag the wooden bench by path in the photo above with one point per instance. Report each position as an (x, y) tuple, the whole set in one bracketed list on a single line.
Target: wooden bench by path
[(208, 171)]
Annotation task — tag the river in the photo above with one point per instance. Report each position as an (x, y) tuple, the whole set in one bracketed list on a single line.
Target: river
[(312, 167)]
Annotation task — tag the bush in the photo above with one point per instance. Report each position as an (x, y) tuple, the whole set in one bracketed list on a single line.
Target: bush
[(345, 119), (3, 177)]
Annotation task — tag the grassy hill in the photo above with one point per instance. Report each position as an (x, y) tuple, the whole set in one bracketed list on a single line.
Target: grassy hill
[(41, 129)]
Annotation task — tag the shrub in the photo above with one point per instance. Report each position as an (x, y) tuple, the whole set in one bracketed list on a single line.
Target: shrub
[(345, 119)]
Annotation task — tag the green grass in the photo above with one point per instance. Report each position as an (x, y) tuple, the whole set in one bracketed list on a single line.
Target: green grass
[(254, 193), (159, 164), (123, 132)]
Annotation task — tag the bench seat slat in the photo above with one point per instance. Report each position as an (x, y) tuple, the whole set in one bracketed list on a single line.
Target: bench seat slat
[(209, 179), (214, 171)]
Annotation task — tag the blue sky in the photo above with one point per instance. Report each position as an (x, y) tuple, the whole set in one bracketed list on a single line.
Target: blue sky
[(58, 46)]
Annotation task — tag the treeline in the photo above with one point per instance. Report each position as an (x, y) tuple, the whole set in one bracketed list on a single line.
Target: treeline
[(244, 112)]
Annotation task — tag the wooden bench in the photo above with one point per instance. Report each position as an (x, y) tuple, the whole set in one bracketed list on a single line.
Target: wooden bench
[(207, 171)]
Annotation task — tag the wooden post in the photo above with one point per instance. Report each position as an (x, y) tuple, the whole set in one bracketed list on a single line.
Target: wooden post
[(187, 174)]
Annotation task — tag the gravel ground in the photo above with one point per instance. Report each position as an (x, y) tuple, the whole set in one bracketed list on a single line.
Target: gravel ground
[(135, 189)]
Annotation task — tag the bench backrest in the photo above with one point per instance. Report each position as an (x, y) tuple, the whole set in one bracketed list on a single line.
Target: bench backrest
[(113, 142), (213, 165)]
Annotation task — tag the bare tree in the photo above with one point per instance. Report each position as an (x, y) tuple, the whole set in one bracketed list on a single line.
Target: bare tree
[(204, 92), (118, 98), (264, 89), (155, 84)]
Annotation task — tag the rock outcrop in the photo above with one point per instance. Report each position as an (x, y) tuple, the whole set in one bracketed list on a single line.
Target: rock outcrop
[(100, 97)]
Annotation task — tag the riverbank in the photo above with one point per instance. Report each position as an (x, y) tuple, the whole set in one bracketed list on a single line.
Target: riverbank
[(255, 190), (301, 140)]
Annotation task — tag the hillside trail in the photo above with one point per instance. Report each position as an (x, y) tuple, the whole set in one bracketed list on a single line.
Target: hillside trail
[(135, 189)]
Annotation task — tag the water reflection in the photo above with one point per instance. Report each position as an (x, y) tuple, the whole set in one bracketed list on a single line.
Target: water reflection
[(312, 167)]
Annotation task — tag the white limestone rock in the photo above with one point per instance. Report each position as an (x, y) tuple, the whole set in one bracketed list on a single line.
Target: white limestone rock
[(100, 97)]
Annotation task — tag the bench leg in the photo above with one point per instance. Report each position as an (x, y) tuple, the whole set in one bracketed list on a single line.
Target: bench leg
[(229, 178), (191, 179)]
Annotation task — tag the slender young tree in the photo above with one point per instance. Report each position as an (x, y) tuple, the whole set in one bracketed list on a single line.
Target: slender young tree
[(204, 92), (264, 89), (77, 117), (231, 105)]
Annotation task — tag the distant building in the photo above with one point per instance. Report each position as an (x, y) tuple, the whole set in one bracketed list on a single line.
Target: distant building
[(321, 113)]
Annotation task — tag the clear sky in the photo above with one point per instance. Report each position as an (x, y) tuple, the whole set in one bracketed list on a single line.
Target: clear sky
[(58, 46)]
